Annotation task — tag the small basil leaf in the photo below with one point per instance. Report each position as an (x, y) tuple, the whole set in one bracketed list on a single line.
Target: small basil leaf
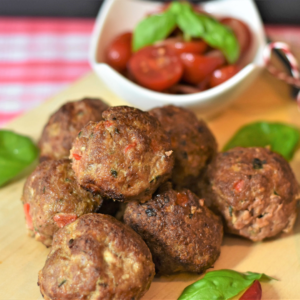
[(16, 153), (189, 23), (221, 285), (281, 138), (152, 29), (178, 7)]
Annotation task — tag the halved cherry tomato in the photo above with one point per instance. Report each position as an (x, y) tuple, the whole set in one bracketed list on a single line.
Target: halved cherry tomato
[(156, 68), (63, 219), (221, 75), (241, 30), (119, 51), (197, 67), (254, 292), (26, 208), (196, 47)]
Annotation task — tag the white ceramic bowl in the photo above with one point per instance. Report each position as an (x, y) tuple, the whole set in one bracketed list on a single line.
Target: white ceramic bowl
[(117, 16)]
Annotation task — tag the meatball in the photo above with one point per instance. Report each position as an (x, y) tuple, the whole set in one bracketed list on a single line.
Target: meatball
[(63, 126), (52, 198), (182, 234), (193, 143), (96, 258), (125, 157), (254, 190)]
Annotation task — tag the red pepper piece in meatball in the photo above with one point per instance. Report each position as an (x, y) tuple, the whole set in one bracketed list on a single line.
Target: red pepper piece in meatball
[(52, 199), (182, 234), (125, 157), (65, 124), (254, 190), (96, 257)]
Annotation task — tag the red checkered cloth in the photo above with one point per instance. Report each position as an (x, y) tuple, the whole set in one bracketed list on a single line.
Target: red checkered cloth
[(41, 56), (38, 58)]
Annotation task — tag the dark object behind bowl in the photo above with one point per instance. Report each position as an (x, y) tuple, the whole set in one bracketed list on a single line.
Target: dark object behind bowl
[(272, 11)]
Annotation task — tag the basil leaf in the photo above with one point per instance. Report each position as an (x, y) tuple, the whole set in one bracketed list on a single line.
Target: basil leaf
[(221, 37), (152, 29), (281, 138), (221, 285), (16, 153), (209, 29), (157, 27)]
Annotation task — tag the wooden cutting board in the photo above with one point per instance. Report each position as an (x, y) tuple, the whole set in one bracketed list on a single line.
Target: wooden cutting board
[(21, 257)]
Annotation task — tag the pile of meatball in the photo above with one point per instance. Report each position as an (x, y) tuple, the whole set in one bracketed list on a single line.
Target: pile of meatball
[(121, 194)]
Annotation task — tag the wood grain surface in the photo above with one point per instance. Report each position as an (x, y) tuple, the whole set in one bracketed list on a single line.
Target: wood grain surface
[(21, 257)]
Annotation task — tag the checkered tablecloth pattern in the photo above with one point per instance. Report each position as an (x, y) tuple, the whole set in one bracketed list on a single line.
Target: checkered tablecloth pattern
[(41, 56), (38, 58)]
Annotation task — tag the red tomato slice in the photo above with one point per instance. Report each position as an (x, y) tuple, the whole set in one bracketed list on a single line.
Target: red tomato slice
[(254, 292), (63, 219), (197, 67), (29, 223), (119, 51), (241, 30), (221, 75), (156, 68)]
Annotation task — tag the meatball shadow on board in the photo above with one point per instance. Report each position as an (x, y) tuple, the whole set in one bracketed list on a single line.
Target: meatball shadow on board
[(182, 234), (193, 143), (254, 190), (96, 257), (124, 157), (228, 260), (64, 125), (52, 198)]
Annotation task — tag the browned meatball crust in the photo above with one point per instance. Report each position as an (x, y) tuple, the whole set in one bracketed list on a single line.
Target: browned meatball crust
[(254, 190), (124, 157), (63, 126), (182, 234), (193, 143), (96, 258), (55, 198)]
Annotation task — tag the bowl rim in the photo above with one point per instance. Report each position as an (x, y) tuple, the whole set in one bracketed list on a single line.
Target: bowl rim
[(203, 96)]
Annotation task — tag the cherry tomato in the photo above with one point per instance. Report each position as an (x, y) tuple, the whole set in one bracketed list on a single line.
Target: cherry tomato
[(156, 68), (196, 47), (119, 51), (64, 219), (254, 292), (221, 75), (197, 67), (242, 32)]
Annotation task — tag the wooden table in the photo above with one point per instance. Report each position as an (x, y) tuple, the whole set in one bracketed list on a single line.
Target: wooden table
[(21, 257)]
